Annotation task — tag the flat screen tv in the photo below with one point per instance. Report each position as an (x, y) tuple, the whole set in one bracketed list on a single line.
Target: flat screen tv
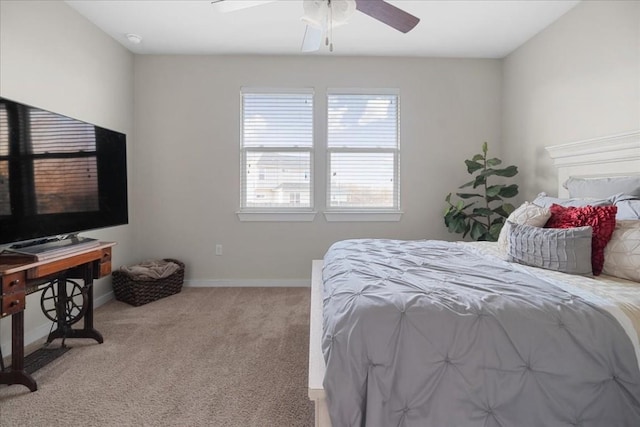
[(58, 175)]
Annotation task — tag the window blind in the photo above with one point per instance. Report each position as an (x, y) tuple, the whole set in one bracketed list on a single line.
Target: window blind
[(65, 165), (5, 196), (277, 148), (62, 171), (363, 151)]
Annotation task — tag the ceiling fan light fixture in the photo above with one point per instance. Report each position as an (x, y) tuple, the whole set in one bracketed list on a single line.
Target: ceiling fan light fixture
[(342, 11), (315, 13), (323, 15)]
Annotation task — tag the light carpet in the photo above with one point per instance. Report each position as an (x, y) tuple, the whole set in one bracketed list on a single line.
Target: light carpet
[(204, 357)]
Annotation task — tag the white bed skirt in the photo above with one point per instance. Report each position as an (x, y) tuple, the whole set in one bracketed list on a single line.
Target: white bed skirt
[(316, 360)]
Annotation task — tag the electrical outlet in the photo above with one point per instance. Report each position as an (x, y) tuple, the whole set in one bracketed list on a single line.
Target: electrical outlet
[(218, 249)]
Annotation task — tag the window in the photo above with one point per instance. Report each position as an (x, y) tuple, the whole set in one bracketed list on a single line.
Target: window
[(363, 151), (277, 151)]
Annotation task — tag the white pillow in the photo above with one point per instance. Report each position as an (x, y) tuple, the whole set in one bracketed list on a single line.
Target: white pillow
[(546, 201), (622, 253), (628, 210), (603, 187), (527, 214)]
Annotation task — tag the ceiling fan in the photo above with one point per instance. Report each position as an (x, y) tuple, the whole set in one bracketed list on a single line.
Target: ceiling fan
[(321, 16)]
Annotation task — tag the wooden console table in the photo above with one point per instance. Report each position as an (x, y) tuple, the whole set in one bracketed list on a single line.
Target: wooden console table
[(19, 277)]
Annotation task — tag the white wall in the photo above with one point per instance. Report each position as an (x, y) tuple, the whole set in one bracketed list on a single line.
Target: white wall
[(53, 58), (578, 79), (188, 157)]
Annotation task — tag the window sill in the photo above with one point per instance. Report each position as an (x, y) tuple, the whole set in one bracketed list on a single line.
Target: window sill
[(363, 216), (272, 216)]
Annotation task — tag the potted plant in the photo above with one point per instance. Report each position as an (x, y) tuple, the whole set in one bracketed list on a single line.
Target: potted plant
[(481, 219)]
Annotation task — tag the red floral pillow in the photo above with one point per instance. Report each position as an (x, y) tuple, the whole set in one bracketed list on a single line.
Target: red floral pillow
[(602, 219)]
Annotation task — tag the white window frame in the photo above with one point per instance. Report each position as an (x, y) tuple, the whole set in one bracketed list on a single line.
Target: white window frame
[(292, 214), (346, 214)]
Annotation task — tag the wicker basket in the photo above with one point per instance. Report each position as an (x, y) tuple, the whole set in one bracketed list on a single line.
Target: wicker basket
[(142, 291)]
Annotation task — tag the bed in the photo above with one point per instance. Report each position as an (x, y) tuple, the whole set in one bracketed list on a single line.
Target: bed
[(430, 333)]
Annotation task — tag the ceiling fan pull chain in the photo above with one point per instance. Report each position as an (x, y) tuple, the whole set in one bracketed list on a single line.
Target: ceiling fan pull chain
[(330, 37)]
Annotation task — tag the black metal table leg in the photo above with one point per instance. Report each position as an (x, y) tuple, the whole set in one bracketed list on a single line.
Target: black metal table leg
[(64, 330)]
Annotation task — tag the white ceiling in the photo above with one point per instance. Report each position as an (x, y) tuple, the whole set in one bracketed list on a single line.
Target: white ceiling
[(467, 29)]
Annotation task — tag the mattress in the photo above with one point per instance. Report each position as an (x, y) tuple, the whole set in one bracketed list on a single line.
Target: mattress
[(430, 333)]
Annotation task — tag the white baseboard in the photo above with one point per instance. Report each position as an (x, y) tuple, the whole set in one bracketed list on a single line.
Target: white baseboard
[(102, 300), (248, 283)]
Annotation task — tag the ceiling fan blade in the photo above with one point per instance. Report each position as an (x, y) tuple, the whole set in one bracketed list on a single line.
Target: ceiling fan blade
[(312, 39), (388, 14)]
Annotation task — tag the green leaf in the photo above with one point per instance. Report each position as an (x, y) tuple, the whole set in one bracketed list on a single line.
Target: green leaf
[(494, 162), (509, 191), (493, 199), (485, 148), (486, 237), (494, 231), (494, 190), (457, 224), (478, 157), (473, 166), (507, 172), (448, 198), (447, 217), (487, 172), (467, 184), (500, 210), (508, 208), (482, 212), (477, 230), (497, 220), (459, 205), (468, 195), (480, 180), (466, 230)]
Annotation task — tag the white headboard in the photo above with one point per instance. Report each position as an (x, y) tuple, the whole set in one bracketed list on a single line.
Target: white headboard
[(614, 155)]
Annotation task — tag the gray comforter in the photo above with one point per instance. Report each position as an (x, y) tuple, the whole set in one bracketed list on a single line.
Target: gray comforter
[(431, 334)]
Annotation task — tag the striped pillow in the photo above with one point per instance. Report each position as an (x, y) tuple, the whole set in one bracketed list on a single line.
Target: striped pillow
[(567, 250)]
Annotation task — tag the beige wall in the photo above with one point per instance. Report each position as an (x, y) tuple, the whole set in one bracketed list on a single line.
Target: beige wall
[(53, 58), (579, 79), (188, 157)]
